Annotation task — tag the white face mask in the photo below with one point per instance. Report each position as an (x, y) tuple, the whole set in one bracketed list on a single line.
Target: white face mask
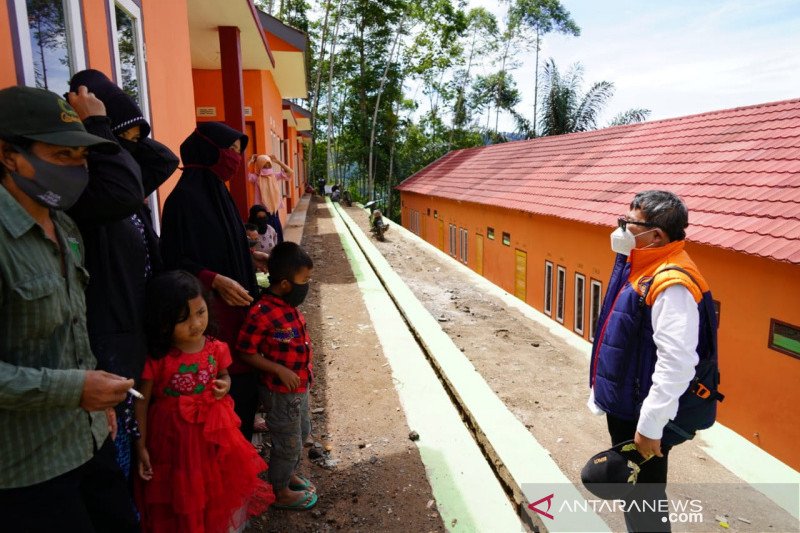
[(622, 242)]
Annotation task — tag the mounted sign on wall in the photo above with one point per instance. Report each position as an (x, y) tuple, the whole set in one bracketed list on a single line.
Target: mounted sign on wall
[(206, 111)]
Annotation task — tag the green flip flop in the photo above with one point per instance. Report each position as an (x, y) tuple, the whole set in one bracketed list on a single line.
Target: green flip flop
[(303, 504), (306, 485)]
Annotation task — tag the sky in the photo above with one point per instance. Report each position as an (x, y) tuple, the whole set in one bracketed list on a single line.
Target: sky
[(674, 57)]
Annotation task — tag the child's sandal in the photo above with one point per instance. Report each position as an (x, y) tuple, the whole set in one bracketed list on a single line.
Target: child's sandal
[(303, 504), (305, 486)]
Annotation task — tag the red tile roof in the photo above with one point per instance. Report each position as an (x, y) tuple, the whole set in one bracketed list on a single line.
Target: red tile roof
[(738, 171)]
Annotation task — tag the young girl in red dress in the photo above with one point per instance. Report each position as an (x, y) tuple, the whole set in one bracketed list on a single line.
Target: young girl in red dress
[(197, 472)]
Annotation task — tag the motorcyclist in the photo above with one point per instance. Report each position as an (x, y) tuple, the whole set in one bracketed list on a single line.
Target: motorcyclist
[(376, 220)]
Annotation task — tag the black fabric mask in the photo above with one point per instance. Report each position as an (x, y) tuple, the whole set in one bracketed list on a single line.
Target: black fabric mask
[(262, 225), (133, 147), (297, 295), (53, 186)]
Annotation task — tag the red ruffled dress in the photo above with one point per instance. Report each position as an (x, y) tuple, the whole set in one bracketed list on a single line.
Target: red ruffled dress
[(205, 474)]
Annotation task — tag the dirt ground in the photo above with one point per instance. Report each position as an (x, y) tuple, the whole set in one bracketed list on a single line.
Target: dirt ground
[(372, 479), (543, 381)]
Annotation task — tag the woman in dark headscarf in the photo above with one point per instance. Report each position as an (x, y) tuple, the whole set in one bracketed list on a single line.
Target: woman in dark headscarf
[(121, 245), (202, 232)]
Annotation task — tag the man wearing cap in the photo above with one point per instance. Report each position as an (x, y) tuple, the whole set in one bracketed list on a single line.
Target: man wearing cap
[(57, 468), (656, 329)]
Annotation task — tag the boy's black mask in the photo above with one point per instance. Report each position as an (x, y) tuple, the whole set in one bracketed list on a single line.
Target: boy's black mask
[(297, 295)]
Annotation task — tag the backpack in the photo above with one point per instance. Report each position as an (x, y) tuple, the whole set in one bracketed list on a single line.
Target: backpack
[(697, 407)]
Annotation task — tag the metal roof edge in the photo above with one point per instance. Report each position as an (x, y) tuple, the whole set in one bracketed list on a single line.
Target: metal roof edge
[(283, 31), (254, 11)]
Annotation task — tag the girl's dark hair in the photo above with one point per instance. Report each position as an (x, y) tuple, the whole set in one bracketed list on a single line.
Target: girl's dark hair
[(166, 305)]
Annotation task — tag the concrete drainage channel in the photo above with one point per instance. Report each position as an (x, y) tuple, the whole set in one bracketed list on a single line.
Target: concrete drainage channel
[(484, 466)]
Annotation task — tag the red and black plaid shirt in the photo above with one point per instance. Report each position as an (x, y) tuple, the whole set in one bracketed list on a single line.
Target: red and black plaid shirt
[(278, 331)]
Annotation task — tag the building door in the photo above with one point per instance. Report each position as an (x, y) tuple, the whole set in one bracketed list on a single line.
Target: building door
[(441, 235), (479, 253), (521, 275)]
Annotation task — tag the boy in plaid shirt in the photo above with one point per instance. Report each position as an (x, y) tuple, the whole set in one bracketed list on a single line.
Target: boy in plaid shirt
[(274, 340)]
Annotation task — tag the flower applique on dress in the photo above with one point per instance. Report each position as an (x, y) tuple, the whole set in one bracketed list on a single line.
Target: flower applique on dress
[(191, 379)]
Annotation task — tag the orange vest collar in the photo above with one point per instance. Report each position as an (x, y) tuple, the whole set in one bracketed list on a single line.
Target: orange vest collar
[(645, 260)]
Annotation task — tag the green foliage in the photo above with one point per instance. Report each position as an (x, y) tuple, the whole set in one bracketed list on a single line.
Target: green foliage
[(442, 88), (631, 116), (565, 109), (543, 17)]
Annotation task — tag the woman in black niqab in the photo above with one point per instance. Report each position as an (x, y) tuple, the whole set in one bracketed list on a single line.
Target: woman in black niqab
[(202, 232)]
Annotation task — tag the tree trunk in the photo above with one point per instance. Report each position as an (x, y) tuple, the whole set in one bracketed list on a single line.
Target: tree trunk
[(370, 175), (390, 178), (536, 84), (502, 71), (317, 86), (460, 98), (330, 87)]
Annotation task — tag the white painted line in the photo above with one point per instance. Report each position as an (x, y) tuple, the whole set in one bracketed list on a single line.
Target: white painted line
[(752, 464), (469, 497), (526, 461)]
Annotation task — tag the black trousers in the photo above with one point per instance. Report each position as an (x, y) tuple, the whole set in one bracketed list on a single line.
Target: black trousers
[(92, 498), (244, 392), (651, 485)]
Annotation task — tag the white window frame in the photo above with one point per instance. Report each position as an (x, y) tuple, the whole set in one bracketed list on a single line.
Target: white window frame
[(593, 319), (297, 169), (580, 290), (464, 234), (453, 245), (548, 288), (144, 96), (135, 13), (77, 52), (561, 289)]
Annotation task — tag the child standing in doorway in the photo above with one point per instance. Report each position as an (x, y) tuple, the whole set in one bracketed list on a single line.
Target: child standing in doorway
[(274, 340), (197, 473)]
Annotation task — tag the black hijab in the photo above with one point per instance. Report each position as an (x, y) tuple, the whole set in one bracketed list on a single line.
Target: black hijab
[(121, 109), (260, 222), (201, 228)]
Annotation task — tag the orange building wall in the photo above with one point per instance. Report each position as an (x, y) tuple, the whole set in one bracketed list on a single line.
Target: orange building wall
[(95, 27), (8, 73), (260, 94), (761, 385), (277, 44), (291, 151), (169, 76)]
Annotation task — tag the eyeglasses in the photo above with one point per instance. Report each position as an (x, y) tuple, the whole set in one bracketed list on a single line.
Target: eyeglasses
[(623, 222)]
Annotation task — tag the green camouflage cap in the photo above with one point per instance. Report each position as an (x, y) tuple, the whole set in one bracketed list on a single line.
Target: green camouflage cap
[(40, 115)]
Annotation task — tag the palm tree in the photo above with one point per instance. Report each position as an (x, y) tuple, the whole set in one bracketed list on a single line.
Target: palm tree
[(565, 110)]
